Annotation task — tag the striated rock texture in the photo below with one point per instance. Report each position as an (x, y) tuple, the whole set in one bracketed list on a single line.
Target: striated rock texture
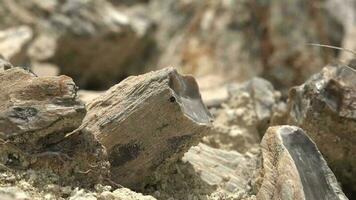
[(34, 109), (324, 106), (89, 40), (230, 171), (293, 168), (146, 122), (36, 113)]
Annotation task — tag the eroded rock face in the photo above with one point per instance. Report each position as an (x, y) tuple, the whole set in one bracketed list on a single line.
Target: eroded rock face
[(293, 168), (230, 171), (34, 109), (324, 107), (202, 37), (36, 113), (146, 122), (90, 41)]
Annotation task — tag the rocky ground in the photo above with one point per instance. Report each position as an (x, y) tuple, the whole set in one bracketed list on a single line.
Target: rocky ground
[(95, 103)]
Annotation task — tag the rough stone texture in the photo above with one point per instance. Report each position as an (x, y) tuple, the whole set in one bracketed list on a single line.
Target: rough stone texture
[(239, 39), (36, 113), (324, 106), (244, 117), (79, 37), (230, 171), (13, 43), (147, 121), (293, 168)]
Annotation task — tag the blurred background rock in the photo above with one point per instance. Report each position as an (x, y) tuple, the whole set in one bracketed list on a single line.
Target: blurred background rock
[(101, 42)]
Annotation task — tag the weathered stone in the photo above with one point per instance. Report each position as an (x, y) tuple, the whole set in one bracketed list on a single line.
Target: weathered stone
[(244, 117), (147, 121), (90, 40), (13, 43), (230, 171), (293, 168), (324, 106), (36, 113), (241, 39)]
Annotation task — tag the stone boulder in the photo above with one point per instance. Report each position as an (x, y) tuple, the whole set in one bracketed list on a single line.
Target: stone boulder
[(147, 122), (293, 168), (324, 106)]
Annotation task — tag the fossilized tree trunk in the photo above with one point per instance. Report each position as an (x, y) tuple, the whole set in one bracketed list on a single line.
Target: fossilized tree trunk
[(293, 168), (147, 121)]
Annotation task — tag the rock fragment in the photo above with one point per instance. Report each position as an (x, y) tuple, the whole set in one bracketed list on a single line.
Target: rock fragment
[(324, 106), (228, 170), (293, 168), (90, 40), (242, 120), (13, 43), (36, 113), (146, 122)]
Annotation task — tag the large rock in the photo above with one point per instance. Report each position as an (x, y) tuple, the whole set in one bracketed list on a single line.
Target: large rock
[(293, 168), (146, 122), (325, 108), (36, 113), (91, 41), (241, 39), (35, 109)]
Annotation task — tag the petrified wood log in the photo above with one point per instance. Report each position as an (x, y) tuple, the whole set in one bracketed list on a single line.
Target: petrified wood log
[(325, 107), (36, 113), (146, 121), (293, 168)]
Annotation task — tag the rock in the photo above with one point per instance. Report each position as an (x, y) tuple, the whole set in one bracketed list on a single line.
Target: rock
[(146, 122), (37, 111), (13, 42), (4, 65), (324, 107), (345, 12), (89, 95), (13, 193), (36, 114), (293, 167), (202, 37), (78, 36), (228, 170), (244, 117)]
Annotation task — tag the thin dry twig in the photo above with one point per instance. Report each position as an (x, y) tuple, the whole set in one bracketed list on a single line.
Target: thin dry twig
[(333, 47)]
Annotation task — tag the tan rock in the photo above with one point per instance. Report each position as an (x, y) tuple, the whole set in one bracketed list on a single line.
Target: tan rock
[(293, 168), (146, 122), (36, 113)]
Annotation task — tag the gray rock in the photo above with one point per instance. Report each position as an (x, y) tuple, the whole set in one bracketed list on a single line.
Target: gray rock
[(147, 122), (293, 168), (324, 107)]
